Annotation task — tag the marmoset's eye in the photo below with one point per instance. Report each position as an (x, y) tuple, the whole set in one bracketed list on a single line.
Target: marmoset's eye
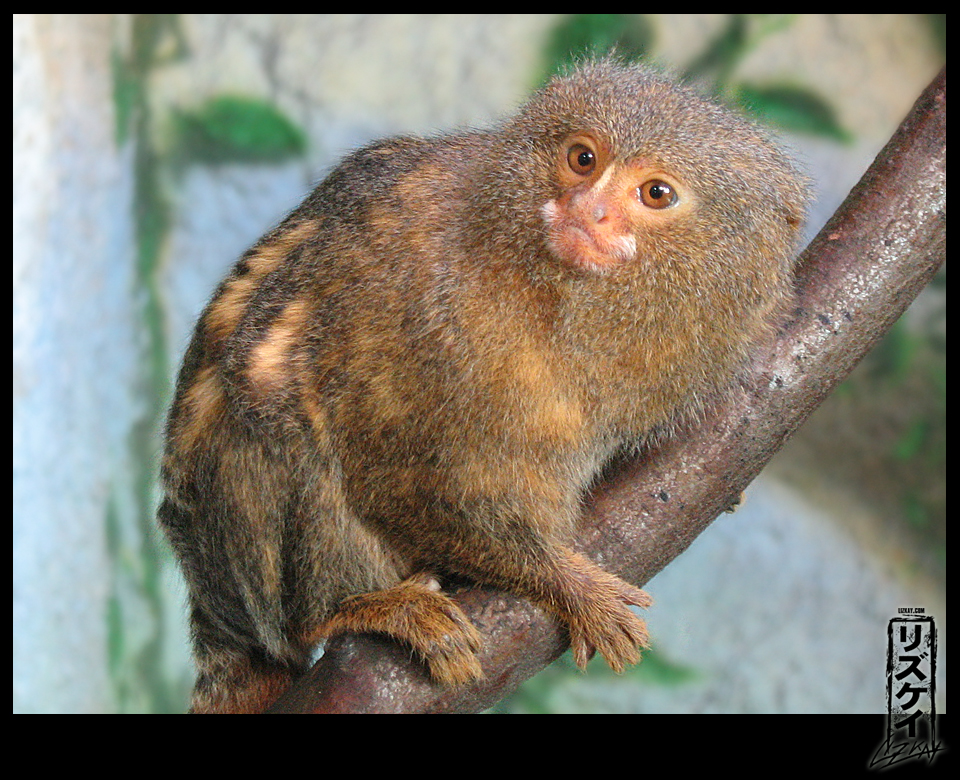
[(657, 194), (581, 159)]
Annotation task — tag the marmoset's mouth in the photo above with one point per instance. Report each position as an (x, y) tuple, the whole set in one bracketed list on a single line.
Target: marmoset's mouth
[(582, 247)]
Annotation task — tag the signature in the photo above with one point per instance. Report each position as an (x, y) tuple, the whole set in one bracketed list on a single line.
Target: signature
[(889, 753)]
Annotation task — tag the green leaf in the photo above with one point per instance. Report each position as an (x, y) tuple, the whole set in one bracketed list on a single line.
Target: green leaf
[(915, 512), (657, 669), (721, 54), (793, 108), (126, 96), (580, 35), (893, 356), (231, 128), (913, 440)]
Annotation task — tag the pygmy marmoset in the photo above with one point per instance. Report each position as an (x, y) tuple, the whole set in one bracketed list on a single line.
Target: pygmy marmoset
[(420, 371)]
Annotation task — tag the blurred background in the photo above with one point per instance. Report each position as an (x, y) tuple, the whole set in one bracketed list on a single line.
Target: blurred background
[(150, 150)]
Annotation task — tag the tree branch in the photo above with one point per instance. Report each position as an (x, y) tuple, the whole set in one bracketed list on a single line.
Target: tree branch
[(854, 281)]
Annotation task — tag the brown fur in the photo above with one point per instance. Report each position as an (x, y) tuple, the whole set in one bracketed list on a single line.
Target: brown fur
[(422, 369)]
